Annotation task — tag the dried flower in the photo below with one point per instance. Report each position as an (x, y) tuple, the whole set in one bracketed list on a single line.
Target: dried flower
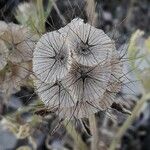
[(19, 41), (51, 59), (89, 45), (88, 77), (54, 94), (70, 28), (13, 76), (87, 83)]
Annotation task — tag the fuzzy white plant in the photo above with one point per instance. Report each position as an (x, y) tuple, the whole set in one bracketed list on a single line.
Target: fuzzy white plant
[(78, 70)]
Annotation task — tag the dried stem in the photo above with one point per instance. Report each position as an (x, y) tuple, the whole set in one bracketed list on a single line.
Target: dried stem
[(41, 15), (58, 12), (77, 138), (91, 13), (94, 132), (129, 12)]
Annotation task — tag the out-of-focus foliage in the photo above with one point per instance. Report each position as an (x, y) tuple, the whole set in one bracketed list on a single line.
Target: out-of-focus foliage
[(139, 55), (23, 148), (33, 14), (139, 58)]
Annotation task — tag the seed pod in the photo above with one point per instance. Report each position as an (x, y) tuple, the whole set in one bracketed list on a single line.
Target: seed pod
[(51, 59), (78, 69), (89, 45), (19, 41), (87, 83), (15, 75), (70, 28), (54, 94)]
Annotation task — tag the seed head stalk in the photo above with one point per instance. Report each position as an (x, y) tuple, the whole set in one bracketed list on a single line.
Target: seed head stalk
[(77, 138), (94, 132)]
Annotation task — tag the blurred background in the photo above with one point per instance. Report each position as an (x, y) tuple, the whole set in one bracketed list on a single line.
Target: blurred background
[(25, 123)]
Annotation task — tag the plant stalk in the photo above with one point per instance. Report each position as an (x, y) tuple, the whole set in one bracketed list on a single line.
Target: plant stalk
[(94, 132), (77, 138)]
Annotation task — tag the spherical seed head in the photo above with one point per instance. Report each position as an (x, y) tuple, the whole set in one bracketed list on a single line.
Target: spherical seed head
[(89, 45), (51, 58), (3, 55), (86, 78), (87, 83), (19, 41), (54, 94)]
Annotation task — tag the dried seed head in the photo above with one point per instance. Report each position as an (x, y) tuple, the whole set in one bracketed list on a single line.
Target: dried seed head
[(89, 45), (78, 69), (14, 76), (51, 59), (19, 41), (87, 83), (54, 94), (70, 28)]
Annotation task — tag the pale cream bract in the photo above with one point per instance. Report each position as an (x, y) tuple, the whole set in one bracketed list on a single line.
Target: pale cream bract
[(89, 45), (51, 59), (88, 83), (54, 94)]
